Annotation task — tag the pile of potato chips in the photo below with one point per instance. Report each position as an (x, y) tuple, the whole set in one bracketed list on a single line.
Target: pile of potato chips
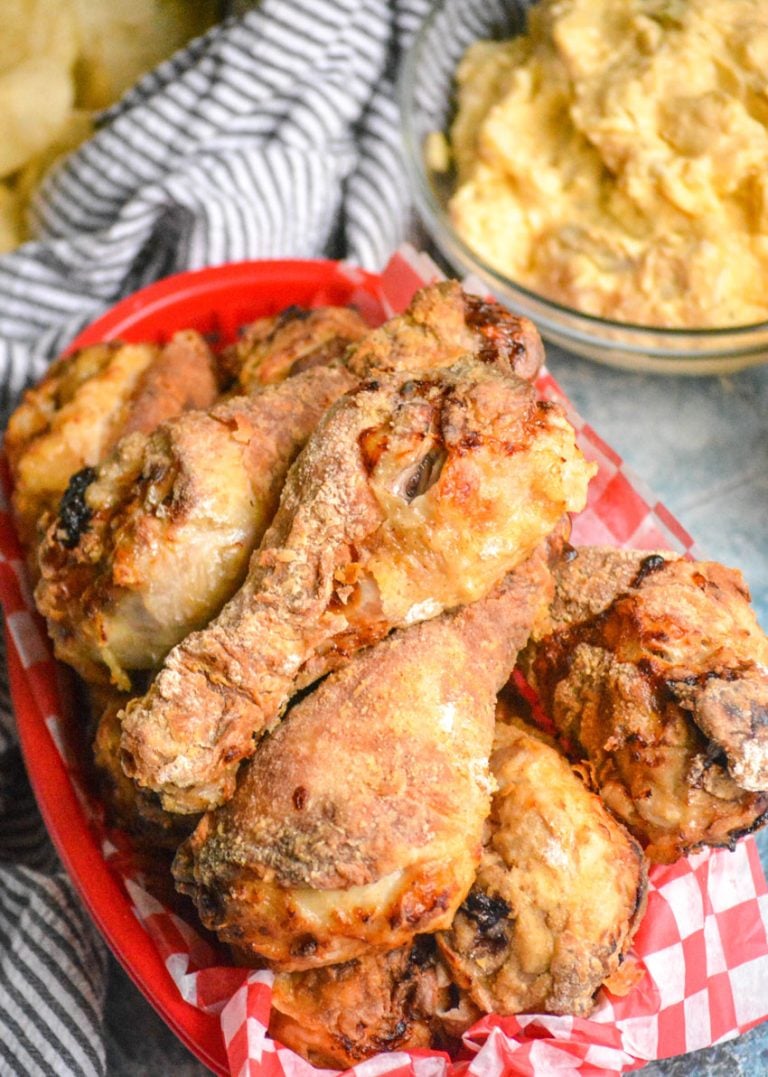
[(60, 62)]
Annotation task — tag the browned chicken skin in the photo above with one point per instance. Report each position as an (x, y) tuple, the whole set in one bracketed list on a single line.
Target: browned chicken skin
[(415, 494), (560, 891), (88, 400), (443, 324), (339, 1015), (84, 404), (656, 673), (154, 545), (185, 376), (358, 823), (283, 345)]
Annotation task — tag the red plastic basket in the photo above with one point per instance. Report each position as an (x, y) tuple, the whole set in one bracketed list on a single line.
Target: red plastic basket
[(704, 974)]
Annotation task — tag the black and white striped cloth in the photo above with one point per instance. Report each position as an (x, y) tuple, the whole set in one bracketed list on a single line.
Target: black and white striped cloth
[(274, 135)]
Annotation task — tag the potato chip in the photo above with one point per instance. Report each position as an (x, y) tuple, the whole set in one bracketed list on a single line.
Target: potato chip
[(33, 28), (123, 39), (60, 60), (36, 97)]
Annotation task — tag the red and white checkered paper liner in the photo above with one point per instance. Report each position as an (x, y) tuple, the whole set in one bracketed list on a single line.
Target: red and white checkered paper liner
[(703, 944)]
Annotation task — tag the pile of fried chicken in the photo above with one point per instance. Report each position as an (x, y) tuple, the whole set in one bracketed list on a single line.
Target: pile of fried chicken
[(312, 584)]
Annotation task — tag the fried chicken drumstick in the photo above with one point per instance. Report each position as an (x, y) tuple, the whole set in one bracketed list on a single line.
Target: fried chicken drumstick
[(358, 823), (128, 806), (416, 493), (85, 403), (560, 891), (655, 671), (159, 539)]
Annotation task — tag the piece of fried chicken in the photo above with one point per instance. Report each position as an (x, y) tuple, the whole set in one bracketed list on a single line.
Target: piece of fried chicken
[(655, 671), (359, 822), (341, 1014), (280, 346), (416, 493), (444, 324), (560, 891), (127, 806), (159, 539), (88, 400)]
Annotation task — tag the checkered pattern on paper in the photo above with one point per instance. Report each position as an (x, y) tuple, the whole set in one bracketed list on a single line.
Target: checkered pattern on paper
[(703, 942), (621, 510), (25, 629)]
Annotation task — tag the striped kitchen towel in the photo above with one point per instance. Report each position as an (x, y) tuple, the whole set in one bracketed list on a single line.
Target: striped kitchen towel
[(274, 135)]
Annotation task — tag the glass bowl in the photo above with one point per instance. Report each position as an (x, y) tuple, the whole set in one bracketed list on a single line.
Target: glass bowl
[(426, 95)]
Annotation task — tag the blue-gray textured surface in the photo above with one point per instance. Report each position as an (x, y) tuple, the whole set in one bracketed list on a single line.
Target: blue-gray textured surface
[(702, 446)]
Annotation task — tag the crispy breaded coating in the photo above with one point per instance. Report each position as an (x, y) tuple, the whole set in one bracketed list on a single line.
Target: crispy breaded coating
[(358, 823), (339, 1015), (590, 577), (417, 493), (560, 890), (443, 324), (661, 684), (167, 523), (88, 400), (274, 348)]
